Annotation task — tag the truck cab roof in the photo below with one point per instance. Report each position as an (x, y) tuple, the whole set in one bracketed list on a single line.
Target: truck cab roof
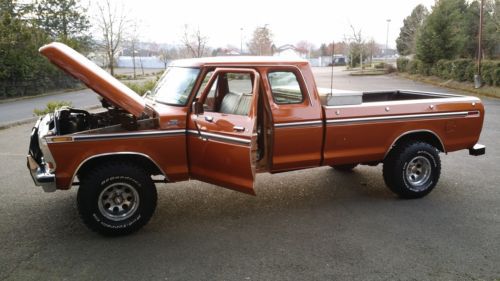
[(238, 61)]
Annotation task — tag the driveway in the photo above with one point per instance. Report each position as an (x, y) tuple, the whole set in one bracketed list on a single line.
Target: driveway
[(316, 224)]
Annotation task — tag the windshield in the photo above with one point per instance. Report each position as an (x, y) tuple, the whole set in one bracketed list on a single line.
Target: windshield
[(175, 85)]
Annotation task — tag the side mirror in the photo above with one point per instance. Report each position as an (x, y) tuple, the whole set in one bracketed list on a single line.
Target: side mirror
[(147, 93), (197, 108)]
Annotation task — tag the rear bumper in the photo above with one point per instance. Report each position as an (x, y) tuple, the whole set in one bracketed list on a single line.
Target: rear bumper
[(477, 150), (41, 176)]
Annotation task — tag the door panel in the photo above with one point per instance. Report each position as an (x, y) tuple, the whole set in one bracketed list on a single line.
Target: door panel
[(297, 118), (222, 147)]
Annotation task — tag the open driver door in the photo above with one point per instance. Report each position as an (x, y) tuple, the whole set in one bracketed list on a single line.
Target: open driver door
[(222, 137)]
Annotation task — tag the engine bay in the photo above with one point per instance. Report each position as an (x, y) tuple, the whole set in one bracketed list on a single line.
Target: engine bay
[(68, 120)]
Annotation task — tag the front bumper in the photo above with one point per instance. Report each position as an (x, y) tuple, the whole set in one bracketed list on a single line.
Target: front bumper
[(477, 150), (41, 176)]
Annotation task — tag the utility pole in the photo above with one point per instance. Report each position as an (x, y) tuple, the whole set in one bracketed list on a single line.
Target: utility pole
[(241, 40), (333, 59), (477, 77), (387, 37)]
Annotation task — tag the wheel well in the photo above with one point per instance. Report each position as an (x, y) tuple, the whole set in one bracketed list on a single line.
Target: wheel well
[(140, 160), (423, 136)]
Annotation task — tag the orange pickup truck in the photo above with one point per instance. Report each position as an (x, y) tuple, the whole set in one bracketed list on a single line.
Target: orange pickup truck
[(222, 120)]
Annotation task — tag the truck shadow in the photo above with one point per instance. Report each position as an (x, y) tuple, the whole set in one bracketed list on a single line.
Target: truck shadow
[(276, 193)]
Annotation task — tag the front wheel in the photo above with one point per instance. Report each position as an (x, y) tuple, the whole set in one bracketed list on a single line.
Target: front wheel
[(412, 170), (116, 198)]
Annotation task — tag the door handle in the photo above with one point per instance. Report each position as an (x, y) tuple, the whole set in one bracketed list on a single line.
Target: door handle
[(239, 128), (209, 118)]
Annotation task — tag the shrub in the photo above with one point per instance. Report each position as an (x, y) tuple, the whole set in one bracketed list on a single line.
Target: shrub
[(470, 71), (389, 68), (412, 66), (402, 64), (423, 68), (441, 69), (490, 72), (122, 76), (50, 107), (380, 65), (142, 87), (460, 70)]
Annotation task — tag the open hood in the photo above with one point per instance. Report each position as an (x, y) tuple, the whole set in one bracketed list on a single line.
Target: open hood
[(94, 77)]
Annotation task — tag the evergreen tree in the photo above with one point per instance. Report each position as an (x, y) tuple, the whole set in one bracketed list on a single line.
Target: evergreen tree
[(470, 24), (405, 43), (442, 35), (491, 29), (65, 21)]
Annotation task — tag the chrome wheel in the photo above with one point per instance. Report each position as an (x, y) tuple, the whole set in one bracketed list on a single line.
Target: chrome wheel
[(118, 201), (418, 173)]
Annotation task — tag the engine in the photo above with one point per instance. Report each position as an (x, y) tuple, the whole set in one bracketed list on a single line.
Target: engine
[(71, 120)]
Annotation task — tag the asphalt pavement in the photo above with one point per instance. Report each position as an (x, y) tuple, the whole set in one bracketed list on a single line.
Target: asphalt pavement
[(316, 224), (23, 109)]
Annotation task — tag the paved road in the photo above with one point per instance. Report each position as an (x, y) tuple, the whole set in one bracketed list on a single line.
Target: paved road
[(23, 109), (314, 224)]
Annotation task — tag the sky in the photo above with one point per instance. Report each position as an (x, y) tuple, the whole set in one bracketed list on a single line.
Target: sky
[(222, 21)]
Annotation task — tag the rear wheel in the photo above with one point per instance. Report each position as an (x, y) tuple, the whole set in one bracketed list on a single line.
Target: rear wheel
[(116, 198), (345, 167), (412, 169)]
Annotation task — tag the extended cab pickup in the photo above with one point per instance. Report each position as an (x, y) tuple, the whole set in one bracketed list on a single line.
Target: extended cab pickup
[(222, 120)]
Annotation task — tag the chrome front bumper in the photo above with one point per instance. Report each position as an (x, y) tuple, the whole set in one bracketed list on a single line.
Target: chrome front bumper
[(41, 176)]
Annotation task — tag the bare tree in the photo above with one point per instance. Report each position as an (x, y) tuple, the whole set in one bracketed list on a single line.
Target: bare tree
[(304, 47), (356, 47), (134, 40), (111, 22), (194, 41), (164, 56), (373, 49), (261, 42)]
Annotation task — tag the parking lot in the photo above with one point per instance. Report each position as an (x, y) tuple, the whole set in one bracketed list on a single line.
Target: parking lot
[(316, 224)]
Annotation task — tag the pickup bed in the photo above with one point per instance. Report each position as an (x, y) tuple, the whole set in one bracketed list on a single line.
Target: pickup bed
[(222, 120)]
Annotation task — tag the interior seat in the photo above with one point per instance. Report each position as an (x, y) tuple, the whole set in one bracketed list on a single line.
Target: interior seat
[(244, 105), (236, 103), (229, 103)]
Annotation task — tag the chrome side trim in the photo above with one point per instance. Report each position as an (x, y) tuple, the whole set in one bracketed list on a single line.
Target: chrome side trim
[(299, 124), (129, 135), (399, 117), (116, 153), (403, 102), (412, 132), (405, 91), (220, 137)]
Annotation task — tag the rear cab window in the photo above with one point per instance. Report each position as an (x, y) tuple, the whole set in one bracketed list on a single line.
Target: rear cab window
[(285, 87)]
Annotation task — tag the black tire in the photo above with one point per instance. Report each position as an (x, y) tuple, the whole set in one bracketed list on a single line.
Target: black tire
[(345, 167), (412, 169), (116, 198)]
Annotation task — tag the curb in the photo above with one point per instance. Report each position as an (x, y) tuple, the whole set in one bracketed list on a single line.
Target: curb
[(4, 126), (55, 93)]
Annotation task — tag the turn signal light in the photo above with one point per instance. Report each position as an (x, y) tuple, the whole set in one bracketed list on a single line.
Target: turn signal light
[(62, 139)]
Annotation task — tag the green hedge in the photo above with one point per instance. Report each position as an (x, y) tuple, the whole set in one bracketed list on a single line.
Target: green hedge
[(402, 63), (458, 70)]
